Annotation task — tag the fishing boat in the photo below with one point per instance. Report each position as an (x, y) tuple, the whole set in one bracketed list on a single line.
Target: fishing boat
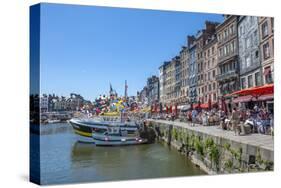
[(107, 131)]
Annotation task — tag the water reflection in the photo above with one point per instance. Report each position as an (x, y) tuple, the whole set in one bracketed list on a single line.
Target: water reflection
[(64, 160)]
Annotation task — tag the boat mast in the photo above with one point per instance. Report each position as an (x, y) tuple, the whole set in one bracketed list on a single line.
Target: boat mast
[(126, 88)]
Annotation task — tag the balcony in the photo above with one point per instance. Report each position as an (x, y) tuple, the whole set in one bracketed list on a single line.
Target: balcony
[(228, 75)]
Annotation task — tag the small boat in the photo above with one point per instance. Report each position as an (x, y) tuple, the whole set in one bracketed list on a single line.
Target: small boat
[(53, 121), (107, 131)]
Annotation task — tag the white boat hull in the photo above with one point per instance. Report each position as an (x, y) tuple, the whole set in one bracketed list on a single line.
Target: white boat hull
[(85, 134)]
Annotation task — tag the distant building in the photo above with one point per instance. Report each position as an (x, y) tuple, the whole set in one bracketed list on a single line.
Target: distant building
[(60, 104), (75, 102), (143, 95), (266, 32), (153, 89), (44, 102)]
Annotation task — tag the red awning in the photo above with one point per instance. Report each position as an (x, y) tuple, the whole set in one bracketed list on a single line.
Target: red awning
[(206, 105), (248, 98), (256, 91), (265, 97)]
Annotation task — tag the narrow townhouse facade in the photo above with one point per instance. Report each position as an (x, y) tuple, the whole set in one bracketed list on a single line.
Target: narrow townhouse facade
[(178, 80), (192, 69), (184, 99), (210, 86), (266, 32), (201, 38), (249, 52), (228, 65), (153, 89), (169, 81)]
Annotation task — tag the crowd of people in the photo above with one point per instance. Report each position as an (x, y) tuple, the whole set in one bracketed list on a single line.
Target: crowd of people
[(240, 120)]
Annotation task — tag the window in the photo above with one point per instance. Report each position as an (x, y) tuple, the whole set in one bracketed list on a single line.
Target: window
[(248, 42), (214, 86), (214, 97), (213, 50), (232, 47), (231, 29), (248, 61), (257, 79), (257, 54), (250, 81), (220, 52), (268, 75), (266, 53), (209, 75), (243, 83), (264, 28), (214, 73), (255, 37), (210, 87)]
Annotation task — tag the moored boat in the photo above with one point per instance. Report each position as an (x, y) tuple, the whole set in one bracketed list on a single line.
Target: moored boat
[(107, 131)]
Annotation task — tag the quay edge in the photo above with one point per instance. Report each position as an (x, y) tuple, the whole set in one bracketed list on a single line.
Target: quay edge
[(216, 151)]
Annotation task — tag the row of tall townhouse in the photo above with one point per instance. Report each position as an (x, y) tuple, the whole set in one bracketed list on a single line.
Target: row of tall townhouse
[(222, 58), (203, 54), (228, 65), (266, 33)]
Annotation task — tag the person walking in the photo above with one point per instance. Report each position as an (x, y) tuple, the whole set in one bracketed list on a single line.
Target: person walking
[(235, 120), (194, 115)]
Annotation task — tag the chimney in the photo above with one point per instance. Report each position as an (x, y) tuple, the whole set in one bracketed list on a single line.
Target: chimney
[(190, 40), (210, 26)]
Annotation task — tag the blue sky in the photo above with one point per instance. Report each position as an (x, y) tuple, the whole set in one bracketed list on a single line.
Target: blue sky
[(84, 48)]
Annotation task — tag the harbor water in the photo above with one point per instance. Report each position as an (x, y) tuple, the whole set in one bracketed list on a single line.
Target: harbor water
[(64, 160)]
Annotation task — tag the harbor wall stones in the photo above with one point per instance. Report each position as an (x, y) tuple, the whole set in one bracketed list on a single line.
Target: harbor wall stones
[(216, 151)]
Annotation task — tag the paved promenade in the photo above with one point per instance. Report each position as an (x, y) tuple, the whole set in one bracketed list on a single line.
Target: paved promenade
[(262, 141)]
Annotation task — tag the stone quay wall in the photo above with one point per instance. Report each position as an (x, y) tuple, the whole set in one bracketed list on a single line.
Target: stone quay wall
[(217, 151)]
